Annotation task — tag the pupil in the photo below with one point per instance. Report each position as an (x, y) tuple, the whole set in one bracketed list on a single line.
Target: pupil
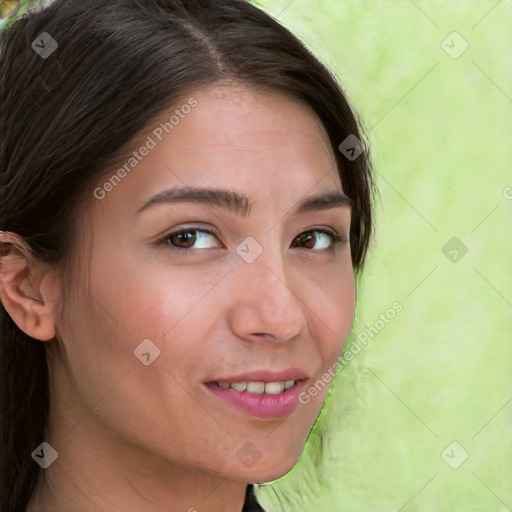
[(308, 237), (184, 237)]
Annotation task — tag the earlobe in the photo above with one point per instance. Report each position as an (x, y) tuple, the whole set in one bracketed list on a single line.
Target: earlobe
[(21, 290)]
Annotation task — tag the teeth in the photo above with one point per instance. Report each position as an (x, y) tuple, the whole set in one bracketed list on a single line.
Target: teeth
[(274, 388), (258, 388), (288, 384), (239, 386)]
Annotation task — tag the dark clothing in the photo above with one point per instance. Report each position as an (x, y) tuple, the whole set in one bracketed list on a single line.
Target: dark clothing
[(250, 503)]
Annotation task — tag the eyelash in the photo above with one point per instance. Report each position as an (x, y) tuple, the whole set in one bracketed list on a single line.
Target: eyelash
[(337, 239)]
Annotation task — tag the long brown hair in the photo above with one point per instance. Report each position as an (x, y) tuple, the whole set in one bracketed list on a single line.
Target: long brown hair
[(66, 117)]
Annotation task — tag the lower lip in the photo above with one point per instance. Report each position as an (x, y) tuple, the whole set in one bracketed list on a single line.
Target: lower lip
[(261, 406)]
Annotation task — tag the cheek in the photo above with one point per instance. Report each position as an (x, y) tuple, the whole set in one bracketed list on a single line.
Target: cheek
[(332, 309), (113, 310), (331, 305), (137, 294), (107, 323), (145, 298)]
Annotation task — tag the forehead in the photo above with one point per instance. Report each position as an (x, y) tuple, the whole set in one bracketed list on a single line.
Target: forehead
[(261, 142)]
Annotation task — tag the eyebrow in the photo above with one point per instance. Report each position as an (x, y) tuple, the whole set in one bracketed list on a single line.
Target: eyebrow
[(239, 203)]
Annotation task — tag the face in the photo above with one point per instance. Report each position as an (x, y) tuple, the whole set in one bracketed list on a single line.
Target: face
[(175, 294)]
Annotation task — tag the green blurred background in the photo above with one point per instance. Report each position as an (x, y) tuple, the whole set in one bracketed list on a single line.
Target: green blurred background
[(439, 120), (421, 418)]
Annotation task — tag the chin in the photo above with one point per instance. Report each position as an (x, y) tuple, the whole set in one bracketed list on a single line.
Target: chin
[(270, 471)]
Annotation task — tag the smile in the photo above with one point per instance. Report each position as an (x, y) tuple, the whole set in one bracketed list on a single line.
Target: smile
[(262, 400), (258, 388)]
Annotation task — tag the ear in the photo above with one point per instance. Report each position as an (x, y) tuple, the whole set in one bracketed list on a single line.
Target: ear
[(27, 288)]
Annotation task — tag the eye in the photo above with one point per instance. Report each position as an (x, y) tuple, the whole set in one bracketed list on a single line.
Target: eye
[(311, 237), (186, 238), (181, 241)]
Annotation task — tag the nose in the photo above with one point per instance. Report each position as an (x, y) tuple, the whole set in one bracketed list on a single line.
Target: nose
[(266, 302)]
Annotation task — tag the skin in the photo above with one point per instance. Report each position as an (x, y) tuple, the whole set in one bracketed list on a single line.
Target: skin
[(152, 438)]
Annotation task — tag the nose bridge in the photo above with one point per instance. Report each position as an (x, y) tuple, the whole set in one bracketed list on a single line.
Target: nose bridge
[(270, 304), (273, 289)]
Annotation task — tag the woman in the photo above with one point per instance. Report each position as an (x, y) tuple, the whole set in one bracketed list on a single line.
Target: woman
[(185, 205)]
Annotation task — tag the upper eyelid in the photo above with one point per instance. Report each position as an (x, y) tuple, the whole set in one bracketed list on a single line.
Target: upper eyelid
[(214, 232), (210, 229)]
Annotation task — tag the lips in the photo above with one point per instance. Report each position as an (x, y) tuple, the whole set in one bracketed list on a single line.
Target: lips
[(259, 406), (262, 394)]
